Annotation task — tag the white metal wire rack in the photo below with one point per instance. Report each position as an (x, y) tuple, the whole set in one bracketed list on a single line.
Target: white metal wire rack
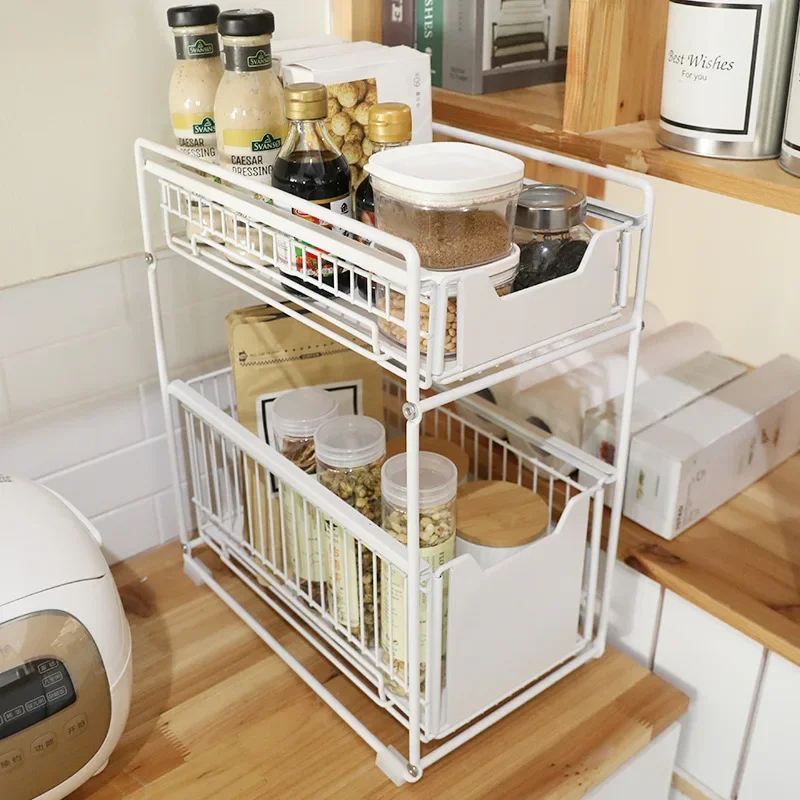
[(541, 613)]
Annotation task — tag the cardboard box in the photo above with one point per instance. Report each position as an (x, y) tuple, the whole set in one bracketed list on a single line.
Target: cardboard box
[(655, 400), (690, 463), (482, 46), (358, 80), (298, 55)]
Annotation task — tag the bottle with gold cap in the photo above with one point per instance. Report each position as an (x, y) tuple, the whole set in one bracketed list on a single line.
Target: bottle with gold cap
[(389, 126), (311, 166)]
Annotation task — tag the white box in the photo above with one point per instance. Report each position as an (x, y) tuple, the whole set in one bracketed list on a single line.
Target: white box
[(299, 55), (401, 74), (655, 400), (690, 463), (282, 45)]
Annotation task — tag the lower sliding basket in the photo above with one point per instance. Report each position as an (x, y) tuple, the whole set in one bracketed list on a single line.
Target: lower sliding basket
[(485, 635)]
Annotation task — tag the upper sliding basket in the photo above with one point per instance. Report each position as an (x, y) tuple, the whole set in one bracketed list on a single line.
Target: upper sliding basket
[(246, 233)]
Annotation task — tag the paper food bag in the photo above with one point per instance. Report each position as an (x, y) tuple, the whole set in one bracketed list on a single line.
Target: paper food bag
[(272, 353)]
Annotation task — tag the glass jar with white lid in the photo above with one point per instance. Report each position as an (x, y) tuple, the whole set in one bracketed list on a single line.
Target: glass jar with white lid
[(350, 452), (454, 202), (296, 417), (438, 484)]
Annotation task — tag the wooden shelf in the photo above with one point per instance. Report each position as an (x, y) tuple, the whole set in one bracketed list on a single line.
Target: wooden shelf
[(741, 564), (216, 713), (534, 115)]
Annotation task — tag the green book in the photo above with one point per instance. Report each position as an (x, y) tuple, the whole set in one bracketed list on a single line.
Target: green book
[(430, 35)]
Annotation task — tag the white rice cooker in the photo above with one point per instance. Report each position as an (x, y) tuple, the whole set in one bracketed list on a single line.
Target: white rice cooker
[(65, 647)]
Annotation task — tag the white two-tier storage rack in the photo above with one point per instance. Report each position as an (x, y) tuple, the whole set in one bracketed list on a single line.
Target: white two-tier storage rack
[(488, 641)]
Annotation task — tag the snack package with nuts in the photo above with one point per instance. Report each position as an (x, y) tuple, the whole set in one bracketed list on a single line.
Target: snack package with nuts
[(358, 80)]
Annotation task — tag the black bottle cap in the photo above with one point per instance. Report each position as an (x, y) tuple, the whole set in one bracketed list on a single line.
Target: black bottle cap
[(246, 22), (191, 16)]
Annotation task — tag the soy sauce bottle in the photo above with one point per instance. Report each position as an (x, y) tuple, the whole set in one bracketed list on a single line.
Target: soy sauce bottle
[(389, 126), (311, 166)]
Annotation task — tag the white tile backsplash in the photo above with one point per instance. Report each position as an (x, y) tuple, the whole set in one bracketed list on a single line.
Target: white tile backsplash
[(168, 515), (65, 307), (60, 439), (74, 370), (99, 486), (128, 530), (80, 405), (5, 412)]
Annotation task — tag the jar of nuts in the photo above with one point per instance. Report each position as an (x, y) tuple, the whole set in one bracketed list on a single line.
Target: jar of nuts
[(502, 274), (438, 481), (350, 453), (296, 416)]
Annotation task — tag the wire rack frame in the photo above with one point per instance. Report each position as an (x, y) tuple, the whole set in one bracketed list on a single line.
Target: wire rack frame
[(409, 767)]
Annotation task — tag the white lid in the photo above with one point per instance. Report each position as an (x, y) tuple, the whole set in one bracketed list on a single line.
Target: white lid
[(438, 480), (300, 412), (350, 441), (426, 171)]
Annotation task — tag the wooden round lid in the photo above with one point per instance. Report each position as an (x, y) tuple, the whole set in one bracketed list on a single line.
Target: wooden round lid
[(500, 514), (432, 444)]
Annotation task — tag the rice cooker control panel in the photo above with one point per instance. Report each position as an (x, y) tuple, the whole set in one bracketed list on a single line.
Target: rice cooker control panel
[(55, 702)]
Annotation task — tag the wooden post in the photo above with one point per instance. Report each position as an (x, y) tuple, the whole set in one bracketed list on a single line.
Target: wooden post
[(358, 20), (615, 64)]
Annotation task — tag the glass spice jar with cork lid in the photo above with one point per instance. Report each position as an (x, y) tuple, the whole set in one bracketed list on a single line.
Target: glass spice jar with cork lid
[(438, 484), (296, 417), (551, 232), (350, 453)]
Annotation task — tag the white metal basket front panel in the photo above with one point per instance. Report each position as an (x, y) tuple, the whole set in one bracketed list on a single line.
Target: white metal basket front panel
[(514, 621)]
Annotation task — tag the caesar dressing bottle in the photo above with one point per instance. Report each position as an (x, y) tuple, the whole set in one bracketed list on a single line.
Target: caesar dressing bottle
[(249, 109), (195, 78)]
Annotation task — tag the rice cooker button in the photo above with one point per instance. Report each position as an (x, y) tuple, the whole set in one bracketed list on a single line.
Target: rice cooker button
[(11, 760), (76, 726), (44, 744)]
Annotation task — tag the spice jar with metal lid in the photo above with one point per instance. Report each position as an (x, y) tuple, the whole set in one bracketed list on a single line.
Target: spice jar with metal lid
[(296, 417), (454, 202), (438, 483), (350, 453), (551, 233)]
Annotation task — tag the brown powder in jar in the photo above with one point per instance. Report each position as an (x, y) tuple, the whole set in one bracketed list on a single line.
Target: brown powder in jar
[(446, 239)]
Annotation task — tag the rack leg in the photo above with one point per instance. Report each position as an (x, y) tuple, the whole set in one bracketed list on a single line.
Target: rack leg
[(392, 764)]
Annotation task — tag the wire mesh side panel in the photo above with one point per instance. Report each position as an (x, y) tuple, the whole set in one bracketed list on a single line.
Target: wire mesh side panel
[(248, 242), (331, 574)]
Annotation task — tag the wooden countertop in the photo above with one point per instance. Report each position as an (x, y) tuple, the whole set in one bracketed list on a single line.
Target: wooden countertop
[(217, 715), (741, 564)]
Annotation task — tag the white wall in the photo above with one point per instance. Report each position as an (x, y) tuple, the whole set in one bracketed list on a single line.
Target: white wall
[(727, 264), (80, 82)]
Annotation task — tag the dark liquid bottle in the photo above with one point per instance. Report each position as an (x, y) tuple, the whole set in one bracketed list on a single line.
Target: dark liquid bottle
[(389, 126), (310, 166)]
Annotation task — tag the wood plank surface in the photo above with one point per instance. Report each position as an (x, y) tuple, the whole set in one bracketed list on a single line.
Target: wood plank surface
[(217, 715), (532, 116), (741, 564), (616, 62), (358, 20)]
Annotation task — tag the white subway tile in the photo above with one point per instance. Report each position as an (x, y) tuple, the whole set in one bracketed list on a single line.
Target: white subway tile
[(5, 413), (58, 309), (128, 530), (106, 483), (54, 441), (50, 377), (180, 284), (197, 333), (168, 515)]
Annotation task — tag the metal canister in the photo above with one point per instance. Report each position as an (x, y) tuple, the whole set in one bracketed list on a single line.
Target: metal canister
[(790, 148), (726, 76)]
